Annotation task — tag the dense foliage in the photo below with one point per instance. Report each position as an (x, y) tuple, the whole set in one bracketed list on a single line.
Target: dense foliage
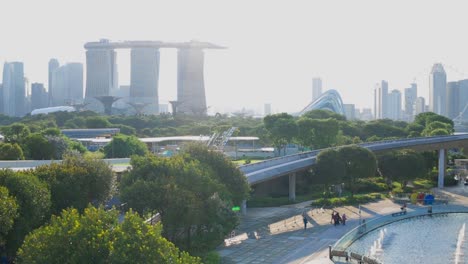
[(194, 197), (97, 237)]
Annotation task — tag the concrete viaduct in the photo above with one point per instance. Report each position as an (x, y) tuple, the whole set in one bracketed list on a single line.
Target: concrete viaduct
[(271, 169)]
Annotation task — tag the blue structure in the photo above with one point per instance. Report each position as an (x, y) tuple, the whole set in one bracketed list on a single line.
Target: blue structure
[(329, 100)]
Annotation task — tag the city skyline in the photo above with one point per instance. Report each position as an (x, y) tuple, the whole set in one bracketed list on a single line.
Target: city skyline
[(267, 59)]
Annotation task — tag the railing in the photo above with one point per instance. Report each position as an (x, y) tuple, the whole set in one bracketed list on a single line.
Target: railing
[(344, 242), (285, 159)]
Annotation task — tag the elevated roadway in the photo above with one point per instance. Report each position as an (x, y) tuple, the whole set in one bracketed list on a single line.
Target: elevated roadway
[(288, 165)]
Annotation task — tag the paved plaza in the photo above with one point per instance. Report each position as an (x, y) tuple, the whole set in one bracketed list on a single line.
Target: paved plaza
[(277, 235)]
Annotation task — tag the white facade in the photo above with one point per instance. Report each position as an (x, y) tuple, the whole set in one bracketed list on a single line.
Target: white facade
[(13, 89), (144, 77), (380, 100), (349, 111), (437, 89), (419, 106), (411, 94), (316, 88), (67, 83), (267, 109), (394, 105)]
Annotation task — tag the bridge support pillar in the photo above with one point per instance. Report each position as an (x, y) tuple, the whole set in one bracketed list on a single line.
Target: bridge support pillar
[(244, 207), (440, 181), (292, 186)]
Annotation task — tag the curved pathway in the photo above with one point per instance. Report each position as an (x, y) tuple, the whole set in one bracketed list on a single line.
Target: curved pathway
[(277, 235)]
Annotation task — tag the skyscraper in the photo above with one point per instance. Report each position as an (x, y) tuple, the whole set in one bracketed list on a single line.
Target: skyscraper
[(316, 88), (437, 89), (350, 110), (39, 96), (14, 90), (68, 84), (144, 78), (53, 65), (452, 103), (419, 106), (411, 94), (463, 99), (101, 75), (394, 105), (267, 109), (190, 81), (380, 100)]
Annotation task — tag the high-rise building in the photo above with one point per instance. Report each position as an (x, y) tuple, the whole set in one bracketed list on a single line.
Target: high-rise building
[(163, 108), (349, 111), (144, 78), (190, 81), (452, 103), (53, 65), (463, 99), (394, 105), (366, 114), (411, 94), (420, 106), (437, 89), (380, 100), (39, 96), (316, 88), (67, 81), (14, 90), (267, 109), (101, 75)]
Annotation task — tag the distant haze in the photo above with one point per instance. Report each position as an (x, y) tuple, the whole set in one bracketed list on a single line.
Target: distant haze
[(275, 48)]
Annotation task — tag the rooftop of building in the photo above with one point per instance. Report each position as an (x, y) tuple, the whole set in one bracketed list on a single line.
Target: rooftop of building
[(107, 44)]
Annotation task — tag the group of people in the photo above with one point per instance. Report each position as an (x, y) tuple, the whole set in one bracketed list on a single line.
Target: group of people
[(336, 219)]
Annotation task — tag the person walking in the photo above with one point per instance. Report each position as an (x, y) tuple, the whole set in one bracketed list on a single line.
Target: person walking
[(304, 218), (343, 219)]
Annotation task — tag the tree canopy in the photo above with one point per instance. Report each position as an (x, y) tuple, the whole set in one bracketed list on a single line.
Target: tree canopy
[(96, 236), (402, 165), (8, 213), (122, 146), (77, 181), (187, 194)]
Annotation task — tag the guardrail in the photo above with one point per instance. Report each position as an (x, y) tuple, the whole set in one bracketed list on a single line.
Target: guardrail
[(376, 145)]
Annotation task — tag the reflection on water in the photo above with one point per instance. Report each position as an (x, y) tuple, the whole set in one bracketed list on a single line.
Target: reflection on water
[(429, 239)]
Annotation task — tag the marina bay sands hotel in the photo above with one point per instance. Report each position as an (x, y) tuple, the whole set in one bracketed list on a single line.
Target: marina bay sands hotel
[(102, 77)]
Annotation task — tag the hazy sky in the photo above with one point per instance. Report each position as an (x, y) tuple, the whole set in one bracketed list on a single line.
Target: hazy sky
[(275, 47)]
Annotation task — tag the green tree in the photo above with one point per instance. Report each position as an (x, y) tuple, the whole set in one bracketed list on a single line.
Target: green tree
[(281, 128), (325, 133), (122, 146), (11, 152), (234, 186), (8, 213), (16, 133), (33, 198), (382, 128), (38, 147), (305, 128), (323, 114), (330, 168), (77, 181), (97, 122), (185, 193), (402, 165), (97, 237), (439, 132), (359, 163)]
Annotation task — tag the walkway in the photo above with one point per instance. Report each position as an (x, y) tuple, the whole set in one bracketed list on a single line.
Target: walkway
[(276, 235)]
